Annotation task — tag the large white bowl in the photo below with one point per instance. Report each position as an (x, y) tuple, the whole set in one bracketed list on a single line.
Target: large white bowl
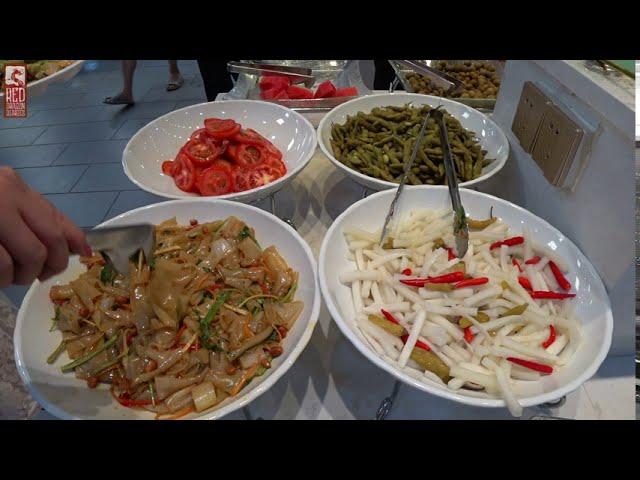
[(69, 398), (38, 87), (490, 135), (592, 303), (161, 140)]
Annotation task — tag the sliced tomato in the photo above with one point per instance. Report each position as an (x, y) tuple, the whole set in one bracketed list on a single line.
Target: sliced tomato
[(184, 173), (221, 128), (325, 90), (278, 164), (214, 181), (202, 154), (222, 163), (167, 167), (250, 137), (249, 155), (200, 135), (263, 174), (232, 150), (346, 92), (296, 91), (272, 150), (274, 82)]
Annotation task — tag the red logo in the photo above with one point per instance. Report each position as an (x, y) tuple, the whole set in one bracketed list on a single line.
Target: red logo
[(15, 91)]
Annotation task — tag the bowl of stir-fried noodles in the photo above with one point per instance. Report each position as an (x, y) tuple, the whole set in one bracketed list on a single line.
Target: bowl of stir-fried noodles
[(221, 310)]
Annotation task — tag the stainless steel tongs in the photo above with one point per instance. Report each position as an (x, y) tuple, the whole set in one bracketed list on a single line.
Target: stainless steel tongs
[(118, 244), (295, 74), (421, 67)]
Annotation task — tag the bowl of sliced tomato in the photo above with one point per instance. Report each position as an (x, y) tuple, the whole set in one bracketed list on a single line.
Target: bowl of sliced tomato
[(236, 149)]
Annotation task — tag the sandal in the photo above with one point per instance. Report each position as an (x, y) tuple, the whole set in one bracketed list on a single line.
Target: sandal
[(118, 100), (175, 84)]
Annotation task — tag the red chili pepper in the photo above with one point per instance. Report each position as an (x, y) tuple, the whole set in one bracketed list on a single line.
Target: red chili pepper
[(551, 295), (264, 288), (533, 260), (471, 282), (468, 335), (194, 346), (509, 242), (552, 337), (406, 271), (538, 367), (389, 317), (560, 278), (448, 278), (526, 284), (517, 264), (419, 344), (451, 253), (130, 336)]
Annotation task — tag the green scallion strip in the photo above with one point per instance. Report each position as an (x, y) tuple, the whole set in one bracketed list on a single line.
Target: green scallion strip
[(205, 323), (76, 363), (289, 296), (56, 353), (262, 295), (106, 365)]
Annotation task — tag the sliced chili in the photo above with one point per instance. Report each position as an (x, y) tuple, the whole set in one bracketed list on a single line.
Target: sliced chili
[(406, 271), (560, 278), (552, 337), (517, 264), (541, 294), (509, 242), (418, 344), (526, 284), (389, 316), (448, 278), (538, 367), (471, 282), (533, 260), (468, 334), (451, 254)]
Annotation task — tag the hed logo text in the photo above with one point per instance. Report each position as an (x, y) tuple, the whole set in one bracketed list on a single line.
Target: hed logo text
[(15, 91)]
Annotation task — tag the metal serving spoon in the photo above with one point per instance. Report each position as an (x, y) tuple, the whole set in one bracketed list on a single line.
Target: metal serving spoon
[(118, 244)]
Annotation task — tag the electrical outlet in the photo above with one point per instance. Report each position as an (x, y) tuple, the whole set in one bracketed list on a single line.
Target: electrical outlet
[(556, 144), (529, 114)]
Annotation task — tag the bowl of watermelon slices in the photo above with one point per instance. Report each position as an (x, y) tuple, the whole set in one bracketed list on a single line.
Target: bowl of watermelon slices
[(241, 150)]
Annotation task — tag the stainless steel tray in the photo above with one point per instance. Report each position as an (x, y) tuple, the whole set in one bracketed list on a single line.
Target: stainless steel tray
[(343, 73), (479, 103)]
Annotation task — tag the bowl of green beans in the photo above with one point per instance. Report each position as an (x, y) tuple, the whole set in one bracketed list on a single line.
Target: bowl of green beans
[(372, 137)]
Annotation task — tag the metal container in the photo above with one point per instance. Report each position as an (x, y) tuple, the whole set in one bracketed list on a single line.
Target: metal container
[(480, 103)]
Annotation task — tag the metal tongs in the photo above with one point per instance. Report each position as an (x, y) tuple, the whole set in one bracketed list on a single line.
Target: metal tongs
[(295, 74), (118, 244), (460, 229), (421, 67)]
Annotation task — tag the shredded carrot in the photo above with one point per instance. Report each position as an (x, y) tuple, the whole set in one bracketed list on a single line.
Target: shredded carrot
[(176, 415), (245, 378)]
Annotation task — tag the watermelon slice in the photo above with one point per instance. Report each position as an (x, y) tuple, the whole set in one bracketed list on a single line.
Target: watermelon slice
[(294, 91), (347, 92), (325, 90), (281, 95), (270, 93), (277, 82)]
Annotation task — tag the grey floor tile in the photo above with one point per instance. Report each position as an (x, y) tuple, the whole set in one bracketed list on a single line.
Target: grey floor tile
[(16, 137), (187, 92), (85, 209), (77, 132), (129, 200), (46, 102), (16, 293), (31, 156), (12, 122), (106, 151), (141, 110), (130, 127), (62, 116), (104, 177), (52, 179)]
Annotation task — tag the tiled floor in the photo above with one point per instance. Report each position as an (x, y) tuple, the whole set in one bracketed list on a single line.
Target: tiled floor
[(70, 146)]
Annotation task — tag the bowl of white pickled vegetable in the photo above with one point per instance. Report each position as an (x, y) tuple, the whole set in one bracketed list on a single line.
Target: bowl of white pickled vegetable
[(520, 320)]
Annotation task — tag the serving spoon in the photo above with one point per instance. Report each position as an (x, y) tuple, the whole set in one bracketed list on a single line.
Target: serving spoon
[(118, 244)]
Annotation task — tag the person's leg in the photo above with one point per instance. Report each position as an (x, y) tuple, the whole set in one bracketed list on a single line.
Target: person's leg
[(126, 95), (175, 77), (215, 77)]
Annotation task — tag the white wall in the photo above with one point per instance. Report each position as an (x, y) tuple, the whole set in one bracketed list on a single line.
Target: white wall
[(599, 215)]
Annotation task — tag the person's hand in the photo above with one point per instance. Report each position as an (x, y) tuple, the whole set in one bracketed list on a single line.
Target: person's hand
[(36, 239)]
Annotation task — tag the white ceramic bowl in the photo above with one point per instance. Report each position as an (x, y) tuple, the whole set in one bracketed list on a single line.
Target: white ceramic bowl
[(592, 303), (490, 135), (38, 87), (69, 398), (161, 140)]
